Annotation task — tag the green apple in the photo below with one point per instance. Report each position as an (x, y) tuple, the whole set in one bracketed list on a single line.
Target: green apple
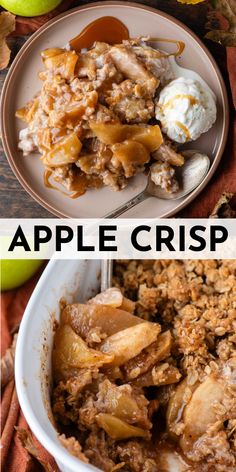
[(15, 272), (29, 7)]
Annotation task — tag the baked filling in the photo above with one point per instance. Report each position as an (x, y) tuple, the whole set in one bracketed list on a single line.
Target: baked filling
[(145, 373), (93, 121)]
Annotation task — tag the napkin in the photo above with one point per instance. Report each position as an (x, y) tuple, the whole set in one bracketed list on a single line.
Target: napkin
[(13, 456)]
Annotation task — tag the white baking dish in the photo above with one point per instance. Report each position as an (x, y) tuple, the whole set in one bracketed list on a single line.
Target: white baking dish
[(73, 280)]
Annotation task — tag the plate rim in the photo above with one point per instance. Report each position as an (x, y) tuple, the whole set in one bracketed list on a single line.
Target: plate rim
[(4, 94)]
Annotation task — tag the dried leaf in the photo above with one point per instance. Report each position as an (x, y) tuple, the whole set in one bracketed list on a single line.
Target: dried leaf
[(27, 442), (223, 208), (7, 25), (7, 363), (228, 9), (225, 38)]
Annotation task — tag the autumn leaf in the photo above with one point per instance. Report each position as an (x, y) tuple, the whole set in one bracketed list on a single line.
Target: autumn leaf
[(7, 25), (27, 442), (228, 10), (224, 208)]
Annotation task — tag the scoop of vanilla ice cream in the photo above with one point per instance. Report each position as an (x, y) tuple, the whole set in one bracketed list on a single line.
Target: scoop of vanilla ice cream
[(186, 109)]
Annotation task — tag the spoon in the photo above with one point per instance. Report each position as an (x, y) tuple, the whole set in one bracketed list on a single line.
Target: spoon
[(106, 274), (189, 176)]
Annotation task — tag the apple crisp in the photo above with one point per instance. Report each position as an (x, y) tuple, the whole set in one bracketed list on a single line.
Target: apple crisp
[(93, 121), (145, 372)]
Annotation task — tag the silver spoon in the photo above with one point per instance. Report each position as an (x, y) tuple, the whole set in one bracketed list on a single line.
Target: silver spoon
[(189, 176)]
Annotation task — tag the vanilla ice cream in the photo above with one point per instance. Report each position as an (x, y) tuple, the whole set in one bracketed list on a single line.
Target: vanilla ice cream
[(186, 109)]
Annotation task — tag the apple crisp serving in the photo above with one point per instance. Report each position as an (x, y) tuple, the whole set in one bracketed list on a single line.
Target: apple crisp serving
[(93, 121), (145, 372)]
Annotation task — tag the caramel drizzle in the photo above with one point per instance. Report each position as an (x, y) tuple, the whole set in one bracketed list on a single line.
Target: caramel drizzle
[(180, 46), (106, 29), (47, 183), (184, 129), (111, 30), (181, 96)]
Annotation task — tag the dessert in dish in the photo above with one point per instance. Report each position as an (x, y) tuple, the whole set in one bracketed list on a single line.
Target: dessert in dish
[(144, 373), (101, 116)]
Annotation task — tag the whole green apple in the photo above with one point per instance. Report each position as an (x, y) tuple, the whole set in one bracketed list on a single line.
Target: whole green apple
[(29, 7), (15, 272)]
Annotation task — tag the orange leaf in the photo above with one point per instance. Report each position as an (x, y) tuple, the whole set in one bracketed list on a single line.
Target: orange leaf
[(7, 25)]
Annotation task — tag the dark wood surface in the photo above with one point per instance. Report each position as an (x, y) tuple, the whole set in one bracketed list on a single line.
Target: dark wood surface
[(14, 200)]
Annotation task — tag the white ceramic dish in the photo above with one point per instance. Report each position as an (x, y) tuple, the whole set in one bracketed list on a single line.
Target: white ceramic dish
[(74, 280), (22, 83)]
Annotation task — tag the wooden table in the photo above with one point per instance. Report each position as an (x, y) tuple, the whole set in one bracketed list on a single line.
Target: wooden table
[(14, 200)]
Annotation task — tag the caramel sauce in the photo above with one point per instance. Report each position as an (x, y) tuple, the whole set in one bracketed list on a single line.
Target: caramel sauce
[(171, 102), (184, 128), (180, 46), (107, 29)]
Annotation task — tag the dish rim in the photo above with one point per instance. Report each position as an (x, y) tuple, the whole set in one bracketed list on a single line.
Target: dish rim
[(59, 452), (28, 187)]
